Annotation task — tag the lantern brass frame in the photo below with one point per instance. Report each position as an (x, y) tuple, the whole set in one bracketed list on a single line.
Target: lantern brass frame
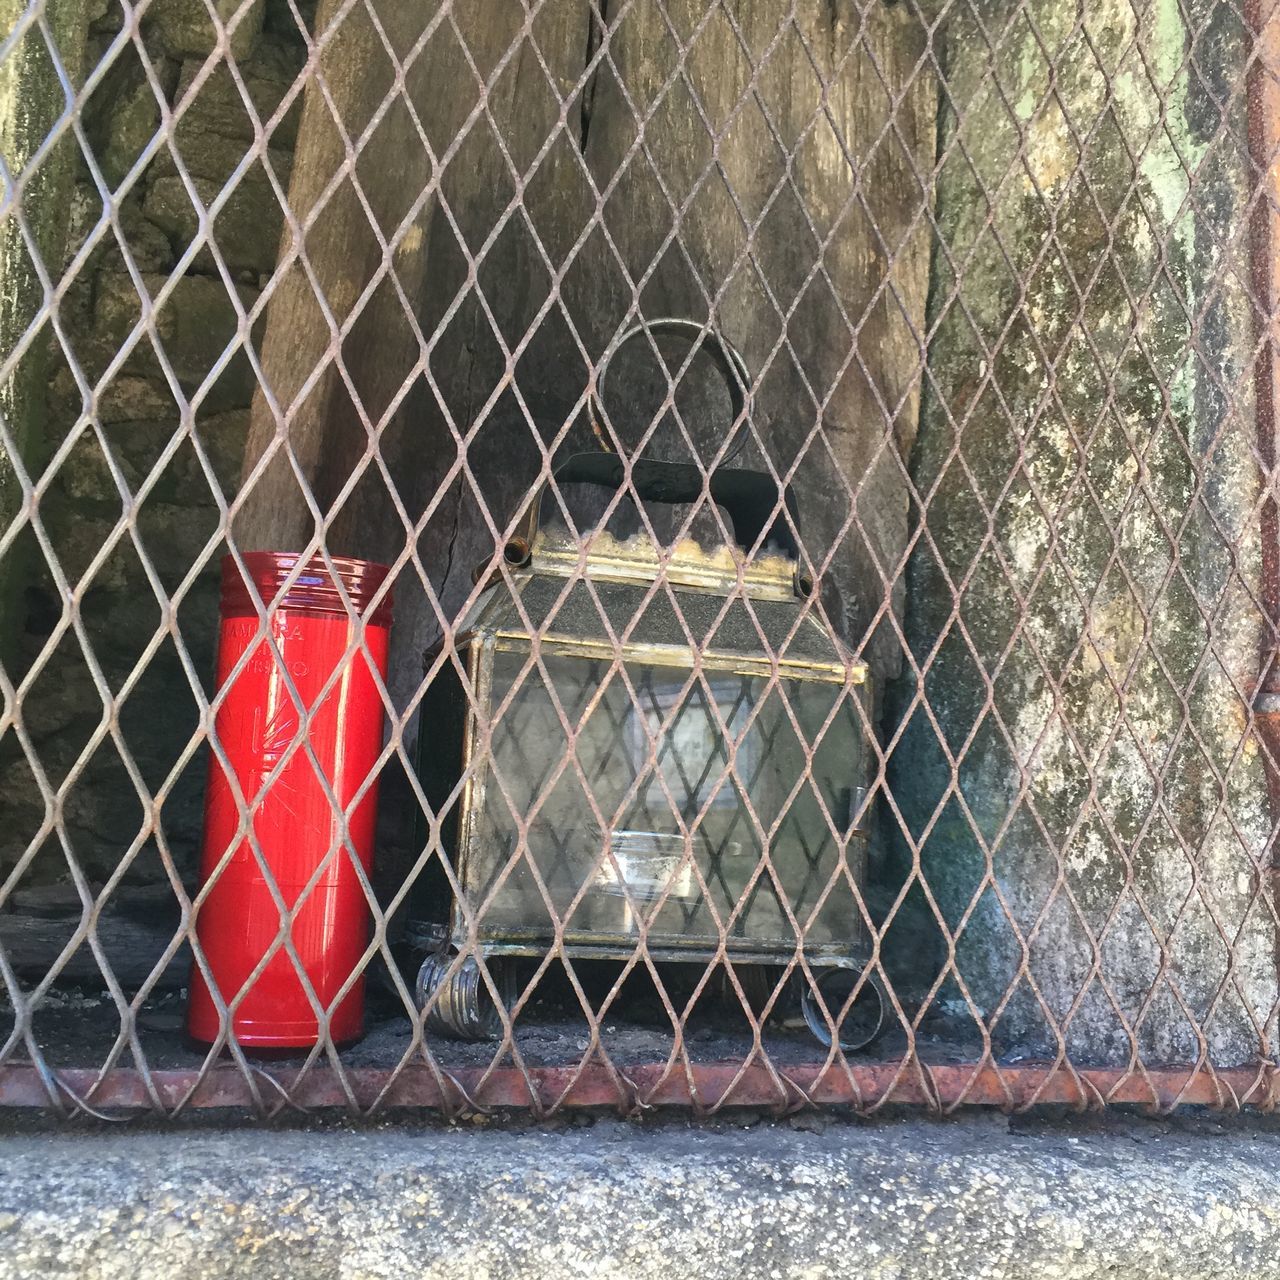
[(603, 559)]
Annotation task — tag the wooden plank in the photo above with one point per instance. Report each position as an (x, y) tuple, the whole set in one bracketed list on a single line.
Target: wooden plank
[(491, 284), (809, 221), (807, 217), (803, 233), (338, 250)]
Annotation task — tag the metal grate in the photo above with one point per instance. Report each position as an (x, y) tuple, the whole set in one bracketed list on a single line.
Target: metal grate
[(343, 281)]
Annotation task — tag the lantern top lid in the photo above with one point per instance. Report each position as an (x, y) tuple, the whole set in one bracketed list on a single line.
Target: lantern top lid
[(613, 617), (743, 606), (719, 570), (763, 554)]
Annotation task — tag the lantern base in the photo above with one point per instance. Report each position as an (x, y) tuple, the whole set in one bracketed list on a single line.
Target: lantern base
[(459, 1004)]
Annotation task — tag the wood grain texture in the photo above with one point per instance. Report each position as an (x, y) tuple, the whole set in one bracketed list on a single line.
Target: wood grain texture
[(336, 370), (801, 234)]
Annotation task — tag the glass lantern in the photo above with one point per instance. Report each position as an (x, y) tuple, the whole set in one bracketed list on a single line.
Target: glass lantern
[(683, 765)]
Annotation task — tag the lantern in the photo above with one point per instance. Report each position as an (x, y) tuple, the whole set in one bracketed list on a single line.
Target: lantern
[(646, 743)]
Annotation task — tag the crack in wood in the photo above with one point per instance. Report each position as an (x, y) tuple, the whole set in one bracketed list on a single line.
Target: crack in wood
[(597, 22)]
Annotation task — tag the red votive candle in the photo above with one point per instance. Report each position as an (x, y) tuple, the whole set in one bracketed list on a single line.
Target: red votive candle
[(298, 829)]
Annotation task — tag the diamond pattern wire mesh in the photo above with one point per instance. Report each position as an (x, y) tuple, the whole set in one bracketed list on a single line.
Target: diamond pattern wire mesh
[(341, 282)]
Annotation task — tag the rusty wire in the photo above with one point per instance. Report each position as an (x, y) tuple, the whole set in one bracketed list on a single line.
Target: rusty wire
[(948, 1041)]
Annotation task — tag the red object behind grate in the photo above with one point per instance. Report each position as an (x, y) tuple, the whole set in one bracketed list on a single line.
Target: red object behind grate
[(298, 786)]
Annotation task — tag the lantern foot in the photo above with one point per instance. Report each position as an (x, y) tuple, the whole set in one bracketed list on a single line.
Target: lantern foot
[(861, 1022), (464, 1007)]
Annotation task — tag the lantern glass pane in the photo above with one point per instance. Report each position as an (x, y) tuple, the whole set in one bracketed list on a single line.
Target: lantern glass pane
[(684, 806)]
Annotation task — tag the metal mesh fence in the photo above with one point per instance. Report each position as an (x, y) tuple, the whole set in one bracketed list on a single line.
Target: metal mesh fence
[(863, 695)]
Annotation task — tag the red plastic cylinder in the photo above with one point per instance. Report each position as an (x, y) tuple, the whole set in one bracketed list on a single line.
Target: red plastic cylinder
[(297, 827)]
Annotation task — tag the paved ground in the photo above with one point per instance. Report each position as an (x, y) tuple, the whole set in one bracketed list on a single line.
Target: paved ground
[(975, 1196)]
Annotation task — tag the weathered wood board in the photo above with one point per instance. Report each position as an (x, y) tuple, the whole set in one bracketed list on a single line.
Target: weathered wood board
[(802, 233)]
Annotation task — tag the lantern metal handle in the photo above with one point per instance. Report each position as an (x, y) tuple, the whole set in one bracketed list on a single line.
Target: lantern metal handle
[(728, 362), (749, 497)]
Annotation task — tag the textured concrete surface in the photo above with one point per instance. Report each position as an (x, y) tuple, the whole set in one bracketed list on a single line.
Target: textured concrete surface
[(969, 1197)]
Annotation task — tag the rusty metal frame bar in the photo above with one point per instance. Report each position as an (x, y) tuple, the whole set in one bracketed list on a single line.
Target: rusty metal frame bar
[(1263, 19), (705, 1087)]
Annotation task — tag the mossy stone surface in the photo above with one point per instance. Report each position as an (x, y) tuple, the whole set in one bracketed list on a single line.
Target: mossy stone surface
[(1083, 608), (34, 80)]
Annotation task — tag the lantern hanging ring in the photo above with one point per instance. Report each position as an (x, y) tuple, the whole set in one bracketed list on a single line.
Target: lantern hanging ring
[(730, 365)]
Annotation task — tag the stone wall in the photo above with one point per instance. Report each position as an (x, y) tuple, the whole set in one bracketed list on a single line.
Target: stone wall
[(127, 443), (1085, 612), (33, 101)]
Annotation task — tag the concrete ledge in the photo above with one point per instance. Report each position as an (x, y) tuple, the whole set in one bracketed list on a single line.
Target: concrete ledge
[(975, 1197)]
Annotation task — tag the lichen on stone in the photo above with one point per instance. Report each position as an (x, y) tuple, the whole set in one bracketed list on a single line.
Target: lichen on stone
[(1083, 611)]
